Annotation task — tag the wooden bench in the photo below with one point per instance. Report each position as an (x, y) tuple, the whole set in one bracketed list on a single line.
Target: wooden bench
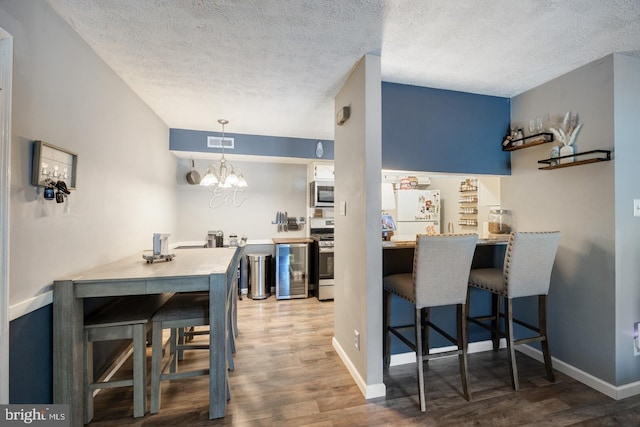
[(181, 311), (124, 318)]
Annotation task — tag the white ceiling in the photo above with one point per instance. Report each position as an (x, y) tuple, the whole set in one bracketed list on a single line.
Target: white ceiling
[(273, 67)]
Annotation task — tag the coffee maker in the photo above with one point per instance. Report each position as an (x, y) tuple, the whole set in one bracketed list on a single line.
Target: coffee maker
[(215, 239)]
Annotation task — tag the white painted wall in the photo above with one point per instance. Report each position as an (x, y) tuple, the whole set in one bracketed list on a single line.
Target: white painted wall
[(358, 245), (64, 94), (272, 187)]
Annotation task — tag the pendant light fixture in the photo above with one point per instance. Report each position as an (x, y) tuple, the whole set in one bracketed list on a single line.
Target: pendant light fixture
[(224, 175)]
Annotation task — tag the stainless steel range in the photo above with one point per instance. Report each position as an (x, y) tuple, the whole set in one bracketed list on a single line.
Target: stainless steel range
[(321, 231)]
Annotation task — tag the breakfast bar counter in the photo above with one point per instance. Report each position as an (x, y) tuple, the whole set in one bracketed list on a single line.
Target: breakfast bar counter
[(497, 239), (398, 255), (192, 270)]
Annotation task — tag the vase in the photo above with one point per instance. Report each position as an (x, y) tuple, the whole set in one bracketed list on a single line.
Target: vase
[(566, 150), (553, 154)]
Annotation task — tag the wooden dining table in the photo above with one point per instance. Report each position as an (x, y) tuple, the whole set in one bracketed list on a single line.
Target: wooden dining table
[(191, 270)]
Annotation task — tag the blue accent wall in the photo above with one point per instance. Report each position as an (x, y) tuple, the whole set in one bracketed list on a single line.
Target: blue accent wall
[(435, 130), (31, 357), (254, 145), (31, 353)]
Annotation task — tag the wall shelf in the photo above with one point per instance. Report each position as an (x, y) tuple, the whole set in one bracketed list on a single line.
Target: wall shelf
[(537, 139), (601, 156), (468, 203)]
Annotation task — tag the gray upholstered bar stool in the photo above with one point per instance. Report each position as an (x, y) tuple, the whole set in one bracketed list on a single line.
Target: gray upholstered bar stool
[(441, 265), (526, 272), (124, 318)]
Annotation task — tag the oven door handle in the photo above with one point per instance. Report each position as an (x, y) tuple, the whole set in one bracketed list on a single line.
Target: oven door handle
[(326, 250)]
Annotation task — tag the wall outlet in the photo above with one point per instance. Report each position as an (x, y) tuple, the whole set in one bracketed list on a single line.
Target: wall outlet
[(636, 340), (636, 207), (356, 339)]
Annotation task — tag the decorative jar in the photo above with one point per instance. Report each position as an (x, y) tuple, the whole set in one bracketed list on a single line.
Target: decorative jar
[(500, 221)]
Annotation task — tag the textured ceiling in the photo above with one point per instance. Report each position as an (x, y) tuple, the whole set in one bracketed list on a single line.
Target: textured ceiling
[(273, 67)]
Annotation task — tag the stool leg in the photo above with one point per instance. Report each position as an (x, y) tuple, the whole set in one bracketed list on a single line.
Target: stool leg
[(424, 327), (495, 322), (181, 340), (467, 313), (462, 347), (156, 365), (229, 333), (88, 378), (542, 320), (234, 317), (508, 308), (139, 371), (386, 316), (173, 350), (419, 362)]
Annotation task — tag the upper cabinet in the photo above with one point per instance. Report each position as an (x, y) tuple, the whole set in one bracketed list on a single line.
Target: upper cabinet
[(321, 171)]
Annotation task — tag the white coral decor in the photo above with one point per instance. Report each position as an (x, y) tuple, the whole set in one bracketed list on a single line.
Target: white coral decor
[(567, 131)]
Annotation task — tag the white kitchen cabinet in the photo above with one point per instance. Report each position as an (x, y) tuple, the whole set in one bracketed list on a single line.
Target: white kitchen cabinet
[(321, 171)]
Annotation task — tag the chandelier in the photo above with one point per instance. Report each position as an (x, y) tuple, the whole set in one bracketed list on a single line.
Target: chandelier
[(224, 175)]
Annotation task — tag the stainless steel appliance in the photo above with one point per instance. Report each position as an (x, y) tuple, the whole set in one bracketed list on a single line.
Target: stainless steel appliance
[(321, 194), (291, 270), (321, 231)]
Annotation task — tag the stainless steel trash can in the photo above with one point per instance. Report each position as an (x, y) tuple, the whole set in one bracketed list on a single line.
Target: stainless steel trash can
[(258, 266)]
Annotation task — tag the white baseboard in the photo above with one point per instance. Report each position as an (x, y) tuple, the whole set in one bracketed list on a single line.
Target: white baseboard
[(614, 392), (369, 391)]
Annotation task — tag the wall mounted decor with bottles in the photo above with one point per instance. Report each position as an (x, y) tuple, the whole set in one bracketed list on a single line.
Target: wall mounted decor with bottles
[(468, 201), (527, 141)]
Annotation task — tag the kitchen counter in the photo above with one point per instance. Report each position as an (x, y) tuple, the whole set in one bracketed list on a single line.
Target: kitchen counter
[(492, 240), (285, 240)]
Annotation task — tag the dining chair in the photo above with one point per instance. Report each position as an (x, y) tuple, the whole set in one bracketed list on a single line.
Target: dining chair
[(441, 265), (526, 272), (124, 318)]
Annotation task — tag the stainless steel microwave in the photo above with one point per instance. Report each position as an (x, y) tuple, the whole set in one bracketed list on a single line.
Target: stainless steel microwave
[(321, 194)]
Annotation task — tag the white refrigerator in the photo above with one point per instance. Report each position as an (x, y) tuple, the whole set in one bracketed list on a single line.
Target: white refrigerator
[(418, 212)]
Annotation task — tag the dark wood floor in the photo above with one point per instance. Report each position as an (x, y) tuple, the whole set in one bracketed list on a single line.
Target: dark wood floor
[(288, 374)]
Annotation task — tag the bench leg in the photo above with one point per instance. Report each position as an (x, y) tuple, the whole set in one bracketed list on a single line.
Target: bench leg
[(88, 379), (139, 371), (156, 365)]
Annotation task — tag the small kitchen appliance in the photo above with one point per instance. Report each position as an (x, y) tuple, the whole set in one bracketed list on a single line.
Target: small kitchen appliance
[(321, 231), (321, 194), (215, 239), (160, 249)]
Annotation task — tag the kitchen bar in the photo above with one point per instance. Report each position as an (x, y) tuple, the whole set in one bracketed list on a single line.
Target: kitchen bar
[(192, 270), (397, 257)]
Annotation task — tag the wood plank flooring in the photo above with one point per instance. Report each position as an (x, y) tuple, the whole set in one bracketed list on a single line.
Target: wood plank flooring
[(288, 374)]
